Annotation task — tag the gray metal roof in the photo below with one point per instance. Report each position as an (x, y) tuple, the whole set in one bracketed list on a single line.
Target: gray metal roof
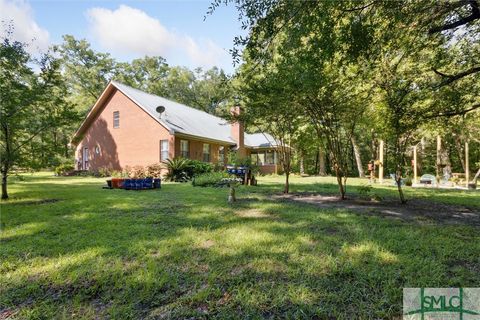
[(179, 118), (260, 140)]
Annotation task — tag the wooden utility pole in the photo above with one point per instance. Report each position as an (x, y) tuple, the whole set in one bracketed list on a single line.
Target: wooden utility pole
[(380, 165), (414, 164), (467, 169)]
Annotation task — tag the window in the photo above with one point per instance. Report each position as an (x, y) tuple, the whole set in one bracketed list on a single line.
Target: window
[(206, 152), (116, 119), (221, 154), (184, 147), (254, 158), (163, 150), (261, 158), (269, 157)]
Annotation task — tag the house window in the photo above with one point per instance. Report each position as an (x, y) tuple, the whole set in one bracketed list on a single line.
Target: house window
[(254, 158), (163, 150), (221, 154), (206, 152), (116, 119), (261, 158), (270, 157), (184, 146)]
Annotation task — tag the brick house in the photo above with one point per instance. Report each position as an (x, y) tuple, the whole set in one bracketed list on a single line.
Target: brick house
[(128, 127)]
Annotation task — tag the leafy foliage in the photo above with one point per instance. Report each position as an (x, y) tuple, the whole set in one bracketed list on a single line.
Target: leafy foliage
[(182, 170), (32, 106), (210, 179), (63, 169)]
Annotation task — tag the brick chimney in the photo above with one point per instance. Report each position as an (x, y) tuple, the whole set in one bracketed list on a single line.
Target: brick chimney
[(237, 132)]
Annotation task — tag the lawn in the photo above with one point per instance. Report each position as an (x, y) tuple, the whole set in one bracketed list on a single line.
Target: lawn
[(72, 250)]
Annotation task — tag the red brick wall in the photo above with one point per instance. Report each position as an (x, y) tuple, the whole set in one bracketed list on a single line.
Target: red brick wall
[(135, 142), (238, 132), (196, 149)]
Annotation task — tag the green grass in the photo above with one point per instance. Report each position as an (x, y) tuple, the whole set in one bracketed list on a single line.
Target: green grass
[(183, 252)]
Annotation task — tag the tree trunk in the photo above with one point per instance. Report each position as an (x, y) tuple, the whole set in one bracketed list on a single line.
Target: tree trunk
[(302, 167), (398, 179), (231, 196), (4, 185), (358, 157), (459, 147), (321, 163), (421, 156), (287, 183), (341, 186)]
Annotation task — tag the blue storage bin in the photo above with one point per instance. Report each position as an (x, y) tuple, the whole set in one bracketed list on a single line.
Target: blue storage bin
[(148, 183)]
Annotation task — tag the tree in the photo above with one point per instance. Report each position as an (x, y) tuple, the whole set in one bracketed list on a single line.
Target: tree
[(413, 43), (271, 111), (86, 71), (31, 103), (147, 74)]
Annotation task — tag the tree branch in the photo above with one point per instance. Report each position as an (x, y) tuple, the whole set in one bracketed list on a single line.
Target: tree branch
[(453, 113), (460, 22), (451, 78), (359, 8)]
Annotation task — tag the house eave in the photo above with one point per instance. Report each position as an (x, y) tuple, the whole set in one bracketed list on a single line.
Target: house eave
[(200, 138), (92, 113)]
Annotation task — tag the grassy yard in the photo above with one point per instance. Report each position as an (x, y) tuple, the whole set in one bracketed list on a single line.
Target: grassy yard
[(72, 250)]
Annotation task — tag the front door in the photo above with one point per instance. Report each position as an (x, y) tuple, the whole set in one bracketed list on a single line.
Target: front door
[(85, 158)]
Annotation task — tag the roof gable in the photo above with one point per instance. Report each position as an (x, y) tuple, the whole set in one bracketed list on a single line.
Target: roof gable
[(180, 118), (177, 118)]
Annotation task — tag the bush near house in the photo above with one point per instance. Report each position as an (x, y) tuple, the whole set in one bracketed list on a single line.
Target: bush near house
[(63, 169), (182, 170), (210, 179)]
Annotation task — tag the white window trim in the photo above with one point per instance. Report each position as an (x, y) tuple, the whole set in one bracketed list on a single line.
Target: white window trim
[(164, 142)]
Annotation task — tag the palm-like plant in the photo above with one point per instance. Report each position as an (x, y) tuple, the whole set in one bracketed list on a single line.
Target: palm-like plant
[(177, 169)]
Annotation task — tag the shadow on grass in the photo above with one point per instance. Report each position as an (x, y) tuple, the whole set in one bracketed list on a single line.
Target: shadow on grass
[(181, 252)]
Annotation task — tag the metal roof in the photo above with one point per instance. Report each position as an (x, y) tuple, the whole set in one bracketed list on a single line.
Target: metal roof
[(180, 118)]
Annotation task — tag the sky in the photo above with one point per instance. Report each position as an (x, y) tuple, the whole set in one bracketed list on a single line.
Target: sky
[(175, 30)]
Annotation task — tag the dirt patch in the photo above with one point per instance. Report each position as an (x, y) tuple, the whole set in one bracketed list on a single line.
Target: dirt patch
[(252, 213), (207, 244), (419, 210), (35, 202)]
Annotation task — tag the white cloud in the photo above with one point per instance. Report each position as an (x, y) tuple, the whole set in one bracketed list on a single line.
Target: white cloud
[(25, 28), (127, 30)]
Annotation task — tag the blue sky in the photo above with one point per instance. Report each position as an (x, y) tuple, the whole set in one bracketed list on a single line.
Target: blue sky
[(175, 30)]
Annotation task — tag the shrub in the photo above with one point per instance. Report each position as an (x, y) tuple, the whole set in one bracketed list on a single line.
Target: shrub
[(235, 160), (408, 181), (154, 170), (63, 169), (196, 167), (364, 191), (210, 179), (177, 169), (181, 170), (137, 172), (118, 174), (104, 172), (59, 160)]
